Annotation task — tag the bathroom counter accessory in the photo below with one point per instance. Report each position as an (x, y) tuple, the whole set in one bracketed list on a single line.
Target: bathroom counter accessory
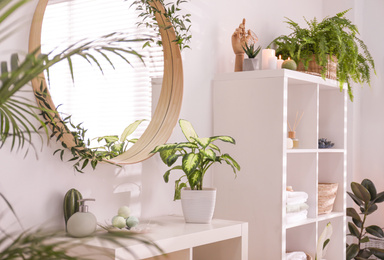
[(220, 240)]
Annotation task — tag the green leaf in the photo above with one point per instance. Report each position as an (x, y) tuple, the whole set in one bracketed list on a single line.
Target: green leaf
[(371, 209), (167, 173), (368, 184), (224, 138), (108, 138), (361, 192), (203, 142), (164, 154), (378, 252), (375, 231), (353, 229), (164, 147), (352, 251), (194, 179), (188, 130), (364, 240), (209, 154), (230, 161), (187, 145), (355, 199), (190, 162), (130, 129), (379, 198), (351, 212), (170, 160)]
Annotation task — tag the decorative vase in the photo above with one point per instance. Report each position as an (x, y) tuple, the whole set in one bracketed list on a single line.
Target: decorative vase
[(198, 205), (251, 64)]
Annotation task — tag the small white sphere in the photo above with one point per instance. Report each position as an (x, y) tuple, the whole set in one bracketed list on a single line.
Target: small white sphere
[(118, 221), (124, 211), (132, 221)]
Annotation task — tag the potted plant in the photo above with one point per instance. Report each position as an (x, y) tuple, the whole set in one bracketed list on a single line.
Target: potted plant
[(333, 42), (197, 156), (366, 198), (251, 63)]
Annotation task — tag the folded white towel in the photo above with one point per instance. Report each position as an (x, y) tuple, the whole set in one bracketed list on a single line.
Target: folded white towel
[(296, 207), (295, 194), (298, 200), (296, 216), (296, 256)]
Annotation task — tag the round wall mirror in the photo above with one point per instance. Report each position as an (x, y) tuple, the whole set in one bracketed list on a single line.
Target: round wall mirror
[(164, 117)]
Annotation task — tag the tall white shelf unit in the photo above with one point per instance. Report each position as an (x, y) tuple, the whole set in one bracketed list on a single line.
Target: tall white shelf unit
[(253, 107)]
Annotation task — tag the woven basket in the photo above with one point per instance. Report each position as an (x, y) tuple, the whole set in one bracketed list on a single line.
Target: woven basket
[(315, 69), (326, 195)]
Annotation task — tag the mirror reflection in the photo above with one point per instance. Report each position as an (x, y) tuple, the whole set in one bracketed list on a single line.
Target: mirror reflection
[(106, 103)]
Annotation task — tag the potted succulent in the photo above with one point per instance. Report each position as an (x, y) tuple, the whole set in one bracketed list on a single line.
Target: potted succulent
[(251, 63), (197, 156), (333, 42)]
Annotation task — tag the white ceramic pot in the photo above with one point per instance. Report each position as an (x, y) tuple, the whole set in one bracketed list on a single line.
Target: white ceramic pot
[(198, 205)]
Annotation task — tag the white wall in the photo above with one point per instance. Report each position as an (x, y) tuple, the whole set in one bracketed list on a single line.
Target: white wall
[(36, 187)]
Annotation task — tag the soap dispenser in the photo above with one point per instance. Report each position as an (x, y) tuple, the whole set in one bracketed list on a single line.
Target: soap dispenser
[(82, 223)]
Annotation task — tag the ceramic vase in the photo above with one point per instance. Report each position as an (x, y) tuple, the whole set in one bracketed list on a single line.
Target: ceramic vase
[(198, 205)]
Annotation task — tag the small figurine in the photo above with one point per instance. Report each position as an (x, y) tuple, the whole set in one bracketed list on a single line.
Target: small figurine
[(239, 38)]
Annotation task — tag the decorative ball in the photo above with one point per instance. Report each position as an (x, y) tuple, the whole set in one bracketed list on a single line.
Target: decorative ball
[(118, 221), (289, 64), (132, 221), (124, 211)]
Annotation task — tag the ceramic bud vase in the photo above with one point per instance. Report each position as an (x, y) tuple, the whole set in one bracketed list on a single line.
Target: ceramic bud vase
[(198, 205), (251, 64)]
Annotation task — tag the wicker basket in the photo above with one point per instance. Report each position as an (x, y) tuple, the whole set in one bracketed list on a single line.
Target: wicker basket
[(315, 69), (326, 195)]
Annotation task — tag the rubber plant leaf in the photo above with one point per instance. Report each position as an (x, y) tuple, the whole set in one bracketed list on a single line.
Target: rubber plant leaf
[(375, 231), (352, 251), (361, 192), (368, 184), (351, 212)]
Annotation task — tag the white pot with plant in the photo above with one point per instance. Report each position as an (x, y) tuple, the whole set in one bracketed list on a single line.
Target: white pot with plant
[(252, 63), (197, 156)]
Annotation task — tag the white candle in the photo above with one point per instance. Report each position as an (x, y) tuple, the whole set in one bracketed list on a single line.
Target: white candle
[(266, 54), (279, 62), (272, 63)]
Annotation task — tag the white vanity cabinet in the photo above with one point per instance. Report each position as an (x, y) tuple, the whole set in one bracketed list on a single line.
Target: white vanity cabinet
[(254, 107)]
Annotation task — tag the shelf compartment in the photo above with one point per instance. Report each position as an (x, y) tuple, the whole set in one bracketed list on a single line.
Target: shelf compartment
[(332, 109), (302, 100), (301, 175), (300, 223), (302, 238), (332, 170), (336, 248)]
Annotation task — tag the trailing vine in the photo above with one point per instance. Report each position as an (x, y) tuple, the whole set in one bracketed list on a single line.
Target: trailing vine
[(180, 22)]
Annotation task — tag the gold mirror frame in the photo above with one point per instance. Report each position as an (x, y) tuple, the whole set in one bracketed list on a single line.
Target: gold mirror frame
[(168, 108)]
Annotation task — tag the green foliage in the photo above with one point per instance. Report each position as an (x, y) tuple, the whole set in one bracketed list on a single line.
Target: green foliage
[(332, 36), (181, 22), (366, 198), (81, 153), (197, 156), (251, 51)]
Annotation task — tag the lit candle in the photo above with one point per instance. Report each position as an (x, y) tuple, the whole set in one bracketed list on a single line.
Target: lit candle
[(272, 63), (279, 62), (266, 54)]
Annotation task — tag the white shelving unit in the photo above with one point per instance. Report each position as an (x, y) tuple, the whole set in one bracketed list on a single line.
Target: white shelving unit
[(253, 107), (219, 240)]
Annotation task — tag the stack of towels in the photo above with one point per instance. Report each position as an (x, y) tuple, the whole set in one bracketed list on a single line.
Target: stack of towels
[(296, 256), (296, 206)]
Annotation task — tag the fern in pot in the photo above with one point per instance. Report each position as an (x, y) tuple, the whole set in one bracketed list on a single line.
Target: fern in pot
[(330, 48), (196, 156)]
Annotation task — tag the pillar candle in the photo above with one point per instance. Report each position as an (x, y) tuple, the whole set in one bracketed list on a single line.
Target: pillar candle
[(265, 55), (272, 63), (279, 62)]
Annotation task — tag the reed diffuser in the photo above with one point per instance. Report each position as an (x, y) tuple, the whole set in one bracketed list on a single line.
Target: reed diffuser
[(292, 131)]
